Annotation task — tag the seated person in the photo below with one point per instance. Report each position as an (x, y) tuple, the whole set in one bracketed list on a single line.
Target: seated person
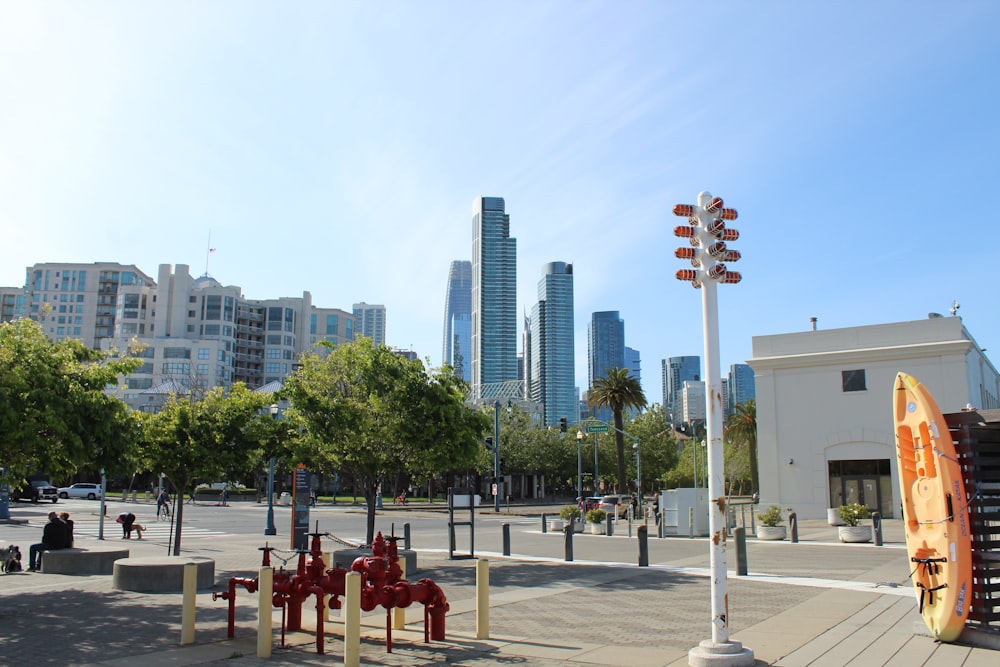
[(55, 536)]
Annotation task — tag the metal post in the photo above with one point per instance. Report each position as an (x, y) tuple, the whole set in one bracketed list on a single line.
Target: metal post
[(793, 527), (104, 490), (638, 470), (496, 455), (406, 536), (569, 540), (877, 527), (597, 475), (269, 528), (741, 550), (579, 464), (609, 527), (5, 496), (643, 547), (545, 523), (506, 539)]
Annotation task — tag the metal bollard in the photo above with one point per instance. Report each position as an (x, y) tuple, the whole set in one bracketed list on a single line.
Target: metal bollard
[(741, 550), (609, 527), (569, 541), (506, 539), (877, 527), (545, 524), (690, 522), (661, 530), (793, 527), (643, 548), (406, 536)]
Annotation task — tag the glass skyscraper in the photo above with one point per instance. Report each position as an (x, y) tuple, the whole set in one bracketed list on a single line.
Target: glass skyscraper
[(606, 350), (494, 299), (550, 377), (675, 372), (457, 348), (741, 385)]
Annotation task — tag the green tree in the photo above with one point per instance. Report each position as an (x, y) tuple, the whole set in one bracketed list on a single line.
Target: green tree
[(741, 431), (619, 391), (658, 443), (54, 413), (192, 439), (372, 414)]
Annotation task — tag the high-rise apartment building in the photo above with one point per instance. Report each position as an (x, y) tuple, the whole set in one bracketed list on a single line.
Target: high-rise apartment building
[(369, 321), (692, 399), (80, 301), (494, 301), (550, 378), (13, 303), (605, 350), (675, 371), (457, 348)]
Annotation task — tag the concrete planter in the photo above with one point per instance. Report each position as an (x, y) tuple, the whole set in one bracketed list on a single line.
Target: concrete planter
[(771, 532), (595, 528), (556, 525), (833, 516), (855, 533)]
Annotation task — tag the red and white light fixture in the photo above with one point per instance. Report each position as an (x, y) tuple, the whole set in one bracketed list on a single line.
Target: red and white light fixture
[(708, 235)]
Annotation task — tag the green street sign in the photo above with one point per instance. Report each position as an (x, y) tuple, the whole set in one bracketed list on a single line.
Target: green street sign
[(597, 428)]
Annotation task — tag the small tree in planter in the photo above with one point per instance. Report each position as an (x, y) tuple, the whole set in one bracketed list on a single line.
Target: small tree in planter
[(568, 514), (852, 515), (770, 527), (596, 519)]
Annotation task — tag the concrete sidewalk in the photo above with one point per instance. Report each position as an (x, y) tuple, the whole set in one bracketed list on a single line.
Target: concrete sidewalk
[(813, 603)]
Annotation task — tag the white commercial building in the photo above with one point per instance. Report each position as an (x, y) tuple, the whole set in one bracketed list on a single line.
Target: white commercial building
[(824, 407)]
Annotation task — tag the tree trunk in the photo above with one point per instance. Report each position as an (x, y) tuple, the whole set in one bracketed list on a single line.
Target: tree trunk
[(620, 446)]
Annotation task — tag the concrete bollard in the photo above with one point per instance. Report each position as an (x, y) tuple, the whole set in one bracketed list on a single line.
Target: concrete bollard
[(877, 527), (741, 550), (352, 619), (265, 590), (189, 597), (506, 539), (482, 599), (569, 540), (690, 522), (643, 547), (793, 527), (545, 523), (406, 536)]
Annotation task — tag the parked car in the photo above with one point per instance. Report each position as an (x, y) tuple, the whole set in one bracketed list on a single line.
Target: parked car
[(609, 503), (36, 490), (590, 503), (81, 490)]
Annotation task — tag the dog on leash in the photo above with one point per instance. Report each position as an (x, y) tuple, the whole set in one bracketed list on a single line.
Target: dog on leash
[(10, 559)]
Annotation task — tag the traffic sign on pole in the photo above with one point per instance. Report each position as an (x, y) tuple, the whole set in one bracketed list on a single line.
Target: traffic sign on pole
[(597, 428)]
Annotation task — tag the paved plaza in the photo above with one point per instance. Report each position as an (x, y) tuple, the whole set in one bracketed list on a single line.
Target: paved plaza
[(817, 602)]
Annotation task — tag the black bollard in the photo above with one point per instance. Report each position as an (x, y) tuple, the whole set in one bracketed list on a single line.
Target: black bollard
[(643, 547), (877, 527), (545, 524), (506, 539), (741, 550), (569, 541), (609, 528), (406, 536), (793, 527)]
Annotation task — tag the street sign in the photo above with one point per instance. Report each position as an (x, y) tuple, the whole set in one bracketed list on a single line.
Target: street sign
[(597, 428)]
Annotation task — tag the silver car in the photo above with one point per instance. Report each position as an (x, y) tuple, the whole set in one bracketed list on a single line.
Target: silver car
[(81, 490)]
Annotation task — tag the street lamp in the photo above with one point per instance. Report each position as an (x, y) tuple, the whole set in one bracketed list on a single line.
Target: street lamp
[(269, 528), (638, 469), (707, 236), (104, 492), (579, 464), (596, 469), (496, 455)]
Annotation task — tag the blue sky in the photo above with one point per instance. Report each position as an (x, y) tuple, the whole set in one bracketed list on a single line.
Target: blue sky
[(336, 147)]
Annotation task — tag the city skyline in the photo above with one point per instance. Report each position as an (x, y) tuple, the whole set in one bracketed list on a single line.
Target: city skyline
[(341, 156)]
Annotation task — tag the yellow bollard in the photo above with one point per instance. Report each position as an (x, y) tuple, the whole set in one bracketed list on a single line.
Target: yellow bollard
[(482, 599), (189, 598), (352, 619), (327, 560), (399, 614), (265, 589)]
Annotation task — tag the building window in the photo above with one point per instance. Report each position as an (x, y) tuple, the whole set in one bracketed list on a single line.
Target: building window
[(176, 353), (853, 380)]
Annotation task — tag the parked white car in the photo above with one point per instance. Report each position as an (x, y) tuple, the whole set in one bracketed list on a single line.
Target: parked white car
[(81, 490)]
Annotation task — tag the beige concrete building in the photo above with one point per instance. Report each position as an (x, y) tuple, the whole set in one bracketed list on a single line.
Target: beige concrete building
[(824, 415)]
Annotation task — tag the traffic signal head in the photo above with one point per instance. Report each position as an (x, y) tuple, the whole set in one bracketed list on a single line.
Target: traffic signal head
[(562, 424)]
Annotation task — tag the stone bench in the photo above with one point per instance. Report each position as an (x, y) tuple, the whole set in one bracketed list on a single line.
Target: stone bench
[(160, 574), (343, 558), (82, 561)]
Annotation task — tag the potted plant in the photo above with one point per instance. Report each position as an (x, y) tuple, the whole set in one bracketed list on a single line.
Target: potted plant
[(770, 527), (851, 515), (595, 521), (567, 513)]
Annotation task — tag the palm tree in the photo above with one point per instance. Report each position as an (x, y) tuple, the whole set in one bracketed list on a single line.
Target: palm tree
[(741, 430), (617, 390)]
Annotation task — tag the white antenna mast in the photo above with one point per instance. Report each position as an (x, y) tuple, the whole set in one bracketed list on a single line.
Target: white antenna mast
[(955, 305)]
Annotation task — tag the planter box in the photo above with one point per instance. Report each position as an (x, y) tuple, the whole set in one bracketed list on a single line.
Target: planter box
[(595, 528), (833, 516), (556, 525), (855, 533), (771, 532)]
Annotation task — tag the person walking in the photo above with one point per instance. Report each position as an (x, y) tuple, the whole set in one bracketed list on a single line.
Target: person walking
[(127, 520), (55, 536)]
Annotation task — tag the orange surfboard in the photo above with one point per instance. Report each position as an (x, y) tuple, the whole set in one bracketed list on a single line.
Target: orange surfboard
[(935, 510)]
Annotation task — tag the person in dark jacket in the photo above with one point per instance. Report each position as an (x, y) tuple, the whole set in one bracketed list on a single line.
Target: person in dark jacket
[(55, 536), (69, 527)]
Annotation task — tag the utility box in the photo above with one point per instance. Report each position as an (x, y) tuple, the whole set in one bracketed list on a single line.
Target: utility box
[(685, 511)]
